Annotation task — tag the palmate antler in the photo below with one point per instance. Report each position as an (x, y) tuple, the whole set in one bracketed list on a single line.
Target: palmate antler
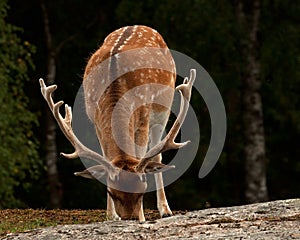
[(65, 125), (168, 142)]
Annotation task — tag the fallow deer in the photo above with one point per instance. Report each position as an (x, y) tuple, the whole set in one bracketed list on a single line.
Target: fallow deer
[(133, 65)]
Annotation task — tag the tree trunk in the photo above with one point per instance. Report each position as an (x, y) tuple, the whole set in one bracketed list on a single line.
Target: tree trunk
[(255, 153), (55, 186)]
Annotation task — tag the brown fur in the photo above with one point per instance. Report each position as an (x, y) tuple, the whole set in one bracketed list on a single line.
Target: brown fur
[(100, 110)]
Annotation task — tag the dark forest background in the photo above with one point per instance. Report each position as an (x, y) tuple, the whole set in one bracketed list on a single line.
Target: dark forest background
[(250, 48)]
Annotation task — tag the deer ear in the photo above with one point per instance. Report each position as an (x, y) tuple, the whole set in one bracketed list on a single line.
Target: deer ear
[(155, 167), (94, 172)]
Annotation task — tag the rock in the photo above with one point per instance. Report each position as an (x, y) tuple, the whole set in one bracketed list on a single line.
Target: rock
[(270, 220)]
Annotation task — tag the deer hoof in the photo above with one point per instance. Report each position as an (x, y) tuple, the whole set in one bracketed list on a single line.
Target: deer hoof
[(165, 215)]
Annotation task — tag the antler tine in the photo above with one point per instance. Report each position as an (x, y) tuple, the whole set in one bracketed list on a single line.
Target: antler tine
[(54, 107), (168, 143), (65, 125)]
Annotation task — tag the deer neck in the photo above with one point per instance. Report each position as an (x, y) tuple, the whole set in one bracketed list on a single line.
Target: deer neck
[(115, 130)]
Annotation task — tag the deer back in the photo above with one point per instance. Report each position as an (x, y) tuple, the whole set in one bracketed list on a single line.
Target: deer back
[(130, 65)]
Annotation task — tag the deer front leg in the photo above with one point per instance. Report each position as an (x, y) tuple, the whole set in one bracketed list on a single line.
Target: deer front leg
[(155, 136), (141, 214), (162, 203), (111, 211)]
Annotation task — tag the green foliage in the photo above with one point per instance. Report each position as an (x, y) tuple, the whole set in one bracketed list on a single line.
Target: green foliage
[(18, 147), (206, 30)]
